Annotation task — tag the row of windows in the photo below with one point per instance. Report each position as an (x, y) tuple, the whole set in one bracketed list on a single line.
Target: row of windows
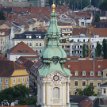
[(81, 46), (84, 73), (84, 83), (20, 80), (4, 80), (37, 44)]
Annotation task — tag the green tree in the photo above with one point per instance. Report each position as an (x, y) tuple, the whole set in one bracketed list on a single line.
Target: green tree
[(2, 16), (96, 3), (78, 4), (98, 50), (103, 5), (104, 48), (97, 18), (17, 92), (88, 91), (79, 92), (85, 50)]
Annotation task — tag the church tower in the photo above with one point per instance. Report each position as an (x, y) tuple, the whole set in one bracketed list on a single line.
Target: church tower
[(53, 78)]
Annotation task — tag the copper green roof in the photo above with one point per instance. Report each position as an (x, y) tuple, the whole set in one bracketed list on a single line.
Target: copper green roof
[(53, 30), (49, 52), (53, 55), (46, 70)]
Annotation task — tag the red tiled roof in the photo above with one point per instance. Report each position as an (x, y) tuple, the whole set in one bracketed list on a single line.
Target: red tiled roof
[(86, 65), (25, 62), (5, 31), (8, 67), (78, 31), (86, 103), (22, 48), (102, 32)]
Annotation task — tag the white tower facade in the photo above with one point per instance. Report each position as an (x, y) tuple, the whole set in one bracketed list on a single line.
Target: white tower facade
[(53, 78)]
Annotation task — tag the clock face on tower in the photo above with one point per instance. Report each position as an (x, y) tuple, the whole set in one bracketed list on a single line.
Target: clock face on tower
[(55, 77)]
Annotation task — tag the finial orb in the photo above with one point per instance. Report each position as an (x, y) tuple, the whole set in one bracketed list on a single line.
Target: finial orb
[(53, 7)]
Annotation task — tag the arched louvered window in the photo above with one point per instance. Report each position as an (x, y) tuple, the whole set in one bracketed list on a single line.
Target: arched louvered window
[(56, 93)]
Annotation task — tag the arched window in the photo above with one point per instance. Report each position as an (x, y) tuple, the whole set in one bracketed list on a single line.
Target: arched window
[(91, 73), (83, 73), (56, 93)]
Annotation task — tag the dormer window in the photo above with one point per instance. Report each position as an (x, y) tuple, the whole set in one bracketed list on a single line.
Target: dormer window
[(83, 73), (39, 37), (28, 37), (99, 73), (91, 73), (76, 73)]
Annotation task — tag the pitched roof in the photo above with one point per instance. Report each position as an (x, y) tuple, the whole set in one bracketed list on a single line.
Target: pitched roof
[(22, 48), (102, 32), (86, 65), (7, 68)]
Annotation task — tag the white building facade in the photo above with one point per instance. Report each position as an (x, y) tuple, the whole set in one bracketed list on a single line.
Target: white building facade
[(76, 44)]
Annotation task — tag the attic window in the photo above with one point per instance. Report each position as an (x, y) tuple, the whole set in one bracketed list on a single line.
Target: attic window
[(83, 73), (28, 37), (91, 73), (39, 37)]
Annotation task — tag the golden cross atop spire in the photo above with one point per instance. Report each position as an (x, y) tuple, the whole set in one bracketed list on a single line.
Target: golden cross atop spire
[(53, 7)]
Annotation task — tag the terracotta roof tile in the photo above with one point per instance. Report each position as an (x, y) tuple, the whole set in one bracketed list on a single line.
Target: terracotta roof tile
[(7, 68), (22, 48), (102, 32), (86, 65)]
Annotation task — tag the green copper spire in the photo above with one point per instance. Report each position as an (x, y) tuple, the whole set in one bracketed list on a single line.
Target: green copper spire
[(53, 30), (53, 56)]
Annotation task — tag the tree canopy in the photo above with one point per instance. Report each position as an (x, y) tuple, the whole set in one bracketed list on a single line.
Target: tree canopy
[(104, 47), (98, 50), (103, 5), (2, 16), (18, 92), (88, 91)]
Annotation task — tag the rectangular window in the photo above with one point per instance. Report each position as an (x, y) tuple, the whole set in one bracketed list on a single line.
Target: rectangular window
[(14, 80), (83, 83), (104, 90), (99, 84), (6, 81), (76, 83), (91, 84)]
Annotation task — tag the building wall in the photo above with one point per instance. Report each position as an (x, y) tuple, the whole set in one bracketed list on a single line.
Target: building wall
[(4, 40), (14, 57), (88, 81), (19, 77), (4, 82), (35, 44), (76, 44)]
